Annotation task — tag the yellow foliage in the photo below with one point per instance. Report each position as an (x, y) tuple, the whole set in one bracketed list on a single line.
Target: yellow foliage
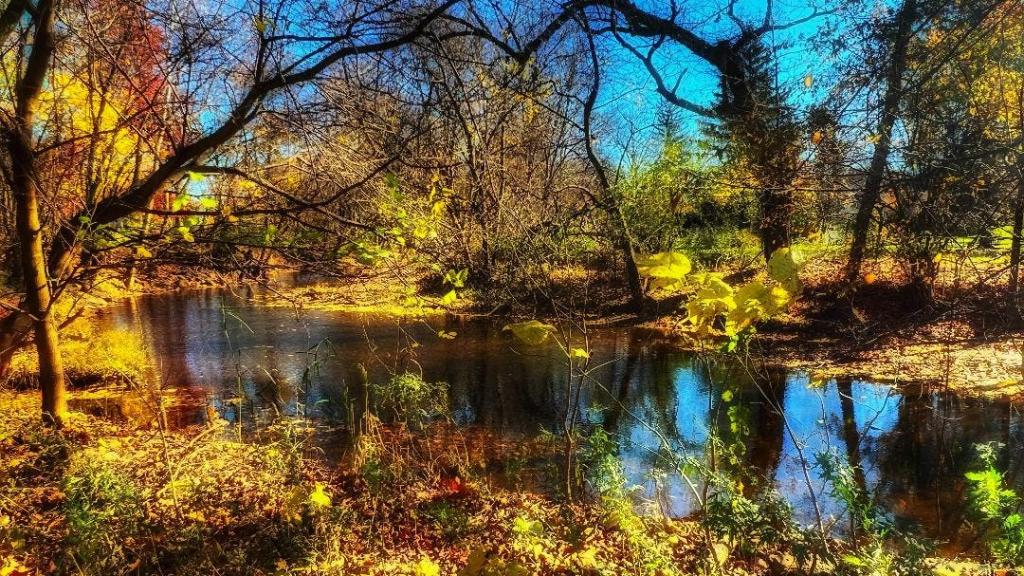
[(427, 567), (101, 122)]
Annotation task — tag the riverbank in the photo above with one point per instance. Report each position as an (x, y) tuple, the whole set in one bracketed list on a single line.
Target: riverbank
[(972, 345), (102, 498), (968, 344)]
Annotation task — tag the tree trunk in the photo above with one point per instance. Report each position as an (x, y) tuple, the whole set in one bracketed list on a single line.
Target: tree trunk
[(24, 182), (636, 288), (1018, 229), (776, 208), (880, 158), (36, 282)]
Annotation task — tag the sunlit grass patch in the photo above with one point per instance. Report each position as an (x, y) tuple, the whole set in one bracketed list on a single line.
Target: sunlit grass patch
[(96, 499), (379, 297), (90, 357)]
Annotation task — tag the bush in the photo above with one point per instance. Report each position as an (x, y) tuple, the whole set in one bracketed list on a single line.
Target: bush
[(407, 398), (998, 508)]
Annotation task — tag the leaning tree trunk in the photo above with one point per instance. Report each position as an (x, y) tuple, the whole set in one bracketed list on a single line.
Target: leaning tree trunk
[(609, 200), (880, 158)]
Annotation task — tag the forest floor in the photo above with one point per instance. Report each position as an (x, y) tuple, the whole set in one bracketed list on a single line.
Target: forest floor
[(104, 497), (111, 497), (968, 337)]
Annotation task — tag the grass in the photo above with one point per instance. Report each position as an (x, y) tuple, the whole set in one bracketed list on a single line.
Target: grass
[(100, 498), (97, 498), (91, 357)]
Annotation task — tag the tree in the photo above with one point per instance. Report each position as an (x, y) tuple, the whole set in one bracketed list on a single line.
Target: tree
[(25, 185), (900, 37), (277, 58)]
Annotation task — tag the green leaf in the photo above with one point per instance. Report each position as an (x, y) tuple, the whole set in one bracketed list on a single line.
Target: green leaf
[(531, 332), (522, 525), (185, 233), (851, 560), (579, 353), (457, 279)]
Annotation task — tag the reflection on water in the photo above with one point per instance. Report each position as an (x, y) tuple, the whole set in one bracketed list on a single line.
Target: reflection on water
[(912, 448)]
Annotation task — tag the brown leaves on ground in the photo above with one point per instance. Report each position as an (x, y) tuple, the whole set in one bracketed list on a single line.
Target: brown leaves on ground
[(195, 500)]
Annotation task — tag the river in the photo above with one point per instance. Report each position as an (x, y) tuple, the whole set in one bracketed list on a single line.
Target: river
[(914, 447)]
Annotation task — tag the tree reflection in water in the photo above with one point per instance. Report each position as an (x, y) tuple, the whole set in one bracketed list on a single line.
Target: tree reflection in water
[(910, 449)]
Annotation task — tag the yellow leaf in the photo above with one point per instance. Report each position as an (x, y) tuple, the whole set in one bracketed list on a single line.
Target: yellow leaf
[(531, 332), (784, 269), (588, 558), (318, 497), (427, 567), (449, 298), (665, 269)]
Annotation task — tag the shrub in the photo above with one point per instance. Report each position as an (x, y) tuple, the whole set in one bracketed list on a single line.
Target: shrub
[(407, 398), (998, 508)]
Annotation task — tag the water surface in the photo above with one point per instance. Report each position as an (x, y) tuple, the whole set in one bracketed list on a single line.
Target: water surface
[(913, 447)]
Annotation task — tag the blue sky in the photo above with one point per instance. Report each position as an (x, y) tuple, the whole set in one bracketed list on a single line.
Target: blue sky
[(629, 99)]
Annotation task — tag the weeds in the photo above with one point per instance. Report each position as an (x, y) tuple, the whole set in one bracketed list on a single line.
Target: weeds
[(998, 508), (881, 549), (104, 512), (408, 399)]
